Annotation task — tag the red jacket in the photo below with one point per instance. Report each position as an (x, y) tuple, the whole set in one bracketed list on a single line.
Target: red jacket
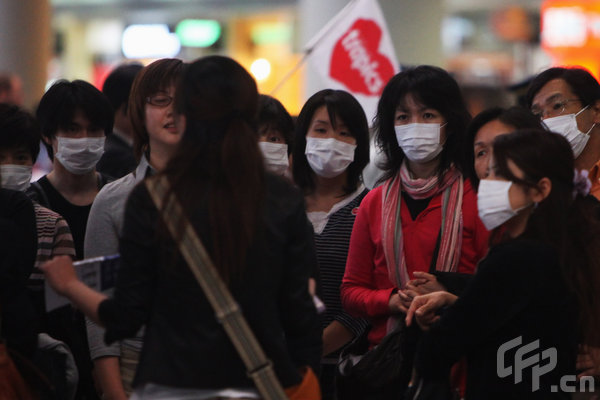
[(366, 288)]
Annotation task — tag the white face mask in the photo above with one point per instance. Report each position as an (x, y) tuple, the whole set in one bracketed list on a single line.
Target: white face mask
[(79, 155), (566, 125), (328, 157), (493, 203), (276, 157), (15, 177), (419, 142)]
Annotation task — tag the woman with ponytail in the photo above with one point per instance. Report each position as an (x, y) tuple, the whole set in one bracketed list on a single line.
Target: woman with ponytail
[(538, 281), (255, 230)]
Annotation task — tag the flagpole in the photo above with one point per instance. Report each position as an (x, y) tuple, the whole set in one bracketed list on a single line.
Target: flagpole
[(313, 43), (290, 73)]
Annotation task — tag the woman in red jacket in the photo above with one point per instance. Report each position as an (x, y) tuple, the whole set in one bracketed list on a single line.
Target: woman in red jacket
[(423, 218)]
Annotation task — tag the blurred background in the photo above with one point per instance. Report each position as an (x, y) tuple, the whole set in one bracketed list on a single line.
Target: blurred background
[(491, 46)]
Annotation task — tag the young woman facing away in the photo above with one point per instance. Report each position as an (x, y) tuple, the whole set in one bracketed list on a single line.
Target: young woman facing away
[(253, 226)]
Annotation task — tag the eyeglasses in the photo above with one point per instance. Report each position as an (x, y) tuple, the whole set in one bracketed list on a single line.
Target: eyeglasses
[(554, 108), (160, 100)]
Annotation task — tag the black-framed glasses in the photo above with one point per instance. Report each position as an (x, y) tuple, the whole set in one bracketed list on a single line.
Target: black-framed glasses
[(553, 108), (160, 100)]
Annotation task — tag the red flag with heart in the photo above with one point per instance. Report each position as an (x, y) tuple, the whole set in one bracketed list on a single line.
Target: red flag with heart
[(354, 52)]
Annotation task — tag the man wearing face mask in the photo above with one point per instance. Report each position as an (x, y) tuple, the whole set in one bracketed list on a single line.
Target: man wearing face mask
[(74, 118), (567, 100)]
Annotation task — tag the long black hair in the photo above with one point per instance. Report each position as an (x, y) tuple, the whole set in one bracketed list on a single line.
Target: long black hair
[(218, 158)]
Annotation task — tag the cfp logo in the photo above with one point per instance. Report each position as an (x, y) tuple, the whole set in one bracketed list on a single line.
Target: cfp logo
[(534, 361), (522, 362)]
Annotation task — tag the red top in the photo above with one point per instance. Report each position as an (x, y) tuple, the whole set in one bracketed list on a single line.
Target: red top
[(366, 288)]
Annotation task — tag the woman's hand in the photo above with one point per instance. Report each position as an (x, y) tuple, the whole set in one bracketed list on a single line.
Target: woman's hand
[(60, 274), (588, 361), (424, 283), (425, 308)]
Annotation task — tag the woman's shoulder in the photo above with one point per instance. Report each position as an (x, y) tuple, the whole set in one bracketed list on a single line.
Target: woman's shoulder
[(522, 254)]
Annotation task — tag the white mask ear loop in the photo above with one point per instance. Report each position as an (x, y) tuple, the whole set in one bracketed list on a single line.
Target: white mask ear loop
[(580, 111)]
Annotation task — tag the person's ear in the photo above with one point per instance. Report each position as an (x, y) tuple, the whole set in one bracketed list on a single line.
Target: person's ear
[(542, 190), (595, 107)]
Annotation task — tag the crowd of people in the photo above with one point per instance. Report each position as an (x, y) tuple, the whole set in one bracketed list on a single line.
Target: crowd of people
[(481, 239)]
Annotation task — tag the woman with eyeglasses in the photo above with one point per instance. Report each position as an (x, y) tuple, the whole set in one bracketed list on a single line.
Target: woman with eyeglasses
[(568, 101), (156, 136)]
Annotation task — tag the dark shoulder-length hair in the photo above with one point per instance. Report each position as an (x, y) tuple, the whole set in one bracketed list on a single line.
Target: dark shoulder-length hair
[(515, 117), (272, 114), (218, 158), (566, 219), (155, 77), (432, 87), (59, 104), (581, 81), (340, 105)]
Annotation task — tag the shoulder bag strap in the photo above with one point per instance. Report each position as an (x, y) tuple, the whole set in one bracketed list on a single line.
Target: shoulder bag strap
[(227, 311)]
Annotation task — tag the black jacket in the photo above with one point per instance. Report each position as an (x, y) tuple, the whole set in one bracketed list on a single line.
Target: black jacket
[(517, 292), (184, 345)]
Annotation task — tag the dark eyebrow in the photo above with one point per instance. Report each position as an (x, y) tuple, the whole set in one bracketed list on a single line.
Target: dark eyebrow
[(320, 121)]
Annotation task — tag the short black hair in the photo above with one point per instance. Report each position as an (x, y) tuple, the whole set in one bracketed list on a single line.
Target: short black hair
[(340, 104), (580, 80), (118, 83), (18, 128), (516, 116), (432, 87), (272, 113), (60, 103)]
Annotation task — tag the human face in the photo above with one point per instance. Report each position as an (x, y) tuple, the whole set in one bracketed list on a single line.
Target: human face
[(482, 146), (270, 135), (163, 126), (16, 156), (557, 98), (78, 128), (321, 127), (410, 112)]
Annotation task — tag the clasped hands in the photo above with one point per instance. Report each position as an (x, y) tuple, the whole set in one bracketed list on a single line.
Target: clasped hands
[(422, 297)]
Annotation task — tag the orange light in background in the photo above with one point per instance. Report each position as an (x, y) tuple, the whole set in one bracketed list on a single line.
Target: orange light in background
[(570, 33), (268, 37)]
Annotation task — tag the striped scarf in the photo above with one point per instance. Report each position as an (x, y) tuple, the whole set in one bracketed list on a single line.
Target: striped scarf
[(451, 224)]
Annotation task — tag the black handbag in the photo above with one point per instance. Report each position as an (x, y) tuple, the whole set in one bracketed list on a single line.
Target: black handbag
[(380, 373)]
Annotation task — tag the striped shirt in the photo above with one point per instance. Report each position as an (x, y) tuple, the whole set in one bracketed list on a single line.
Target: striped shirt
[(54, 239), (332, 239)]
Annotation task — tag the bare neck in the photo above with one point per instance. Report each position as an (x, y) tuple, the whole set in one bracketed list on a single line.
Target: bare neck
[(423, 170), (328, 191), (77, 189)]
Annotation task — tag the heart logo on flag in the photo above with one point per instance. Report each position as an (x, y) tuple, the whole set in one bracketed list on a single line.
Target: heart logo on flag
[(356, 61)]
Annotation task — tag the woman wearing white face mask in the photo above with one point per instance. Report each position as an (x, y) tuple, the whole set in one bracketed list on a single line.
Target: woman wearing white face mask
[(331, 150), (538, 284), (420, 227), (276, 128), (568, 102)]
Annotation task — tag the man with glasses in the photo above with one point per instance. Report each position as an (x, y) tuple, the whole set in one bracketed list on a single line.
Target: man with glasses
[(568, 102)]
